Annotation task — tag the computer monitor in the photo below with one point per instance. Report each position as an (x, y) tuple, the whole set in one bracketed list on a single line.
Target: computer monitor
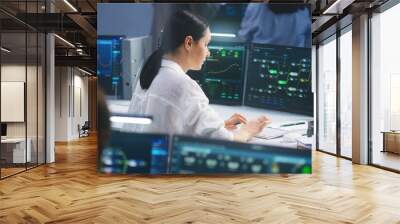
[(222, 75), (3, 129), (279, 78), (129, 153), (109, 67), (202, 156)]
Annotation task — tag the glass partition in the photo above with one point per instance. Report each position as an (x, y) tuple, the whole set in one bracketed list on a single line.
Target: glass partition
[(14, 145), (327, 93), (31, 97), (41, 87), (22, 89)]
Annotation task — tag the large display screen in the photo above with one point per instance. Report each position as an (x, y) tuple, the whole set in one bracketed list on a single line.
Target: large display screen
[(194, 155), (221, 77), (279, 77), (134, 153)]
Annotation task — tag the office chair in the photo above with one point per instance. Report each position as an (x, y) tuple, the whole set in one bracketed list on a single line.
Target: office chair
[(84, 130)]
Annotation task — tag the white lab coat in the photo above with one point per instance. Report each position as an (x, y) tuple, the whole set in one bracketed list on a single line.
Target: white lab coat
[(178, 106)]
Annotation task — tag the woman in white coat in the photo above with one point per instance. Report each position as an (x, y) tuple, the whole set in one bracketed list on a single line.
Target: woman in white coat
[(175, 101)]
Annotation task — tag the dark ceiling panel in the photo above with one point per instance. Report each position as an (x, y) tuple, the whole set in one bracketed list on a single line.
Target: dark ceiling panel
[(49, 22), (79, 61)]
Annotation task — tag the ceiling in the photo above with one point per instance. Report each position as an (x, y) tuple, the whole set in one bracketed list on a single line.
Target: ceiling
[(76, 22), (72, 20)]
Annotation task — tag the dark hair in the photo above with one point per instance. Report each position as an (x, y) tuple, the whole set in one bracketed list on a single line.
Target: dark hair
[(180, 25)]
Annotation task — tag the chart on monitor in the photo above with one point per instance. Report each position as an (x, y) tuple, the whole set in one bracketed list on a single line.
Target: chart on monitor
[(222, 75), (279, 77)]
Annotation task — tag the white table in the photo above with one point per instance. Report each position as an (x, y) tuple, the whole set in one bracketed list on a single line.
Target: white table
[(277, 118), (225, 111), (251, 112), (18, 151)]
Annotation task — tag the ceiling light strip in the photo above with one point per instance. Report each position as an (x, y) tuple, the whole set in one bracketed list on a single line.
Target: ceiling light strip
[(84, 71), (70, 5), (223, 35), (64, 40), (131, 120), (5, 50)]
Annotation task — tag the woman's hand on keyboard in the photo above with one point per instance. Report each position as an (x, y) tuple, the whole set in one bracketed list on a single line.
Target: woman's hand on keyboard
[(252, 128), (256, 126), (236, 119)]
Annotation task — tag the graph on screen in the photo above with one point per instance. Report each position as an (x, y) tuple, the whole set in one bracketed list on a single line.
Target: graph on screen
[(222, 75), (279, 77)]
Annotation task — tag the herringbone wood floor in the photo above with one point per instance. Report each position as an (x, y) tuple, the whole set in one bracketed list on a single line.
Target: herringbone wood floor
[(70, 191)]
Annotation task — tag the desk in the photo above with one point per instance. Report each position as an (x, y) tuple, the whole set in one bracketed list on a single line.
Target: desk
[(276, 117), (13, 150), (225, 112), (391, 141), (251, 112)]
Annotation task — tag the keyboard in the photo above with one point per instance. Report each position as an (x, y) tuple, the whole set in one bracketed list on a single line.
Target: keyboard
[(270, 133)]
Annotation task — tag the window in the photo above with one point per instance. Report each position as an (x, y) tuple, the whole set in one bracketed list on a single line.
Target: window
[(327, 95), (385, 85), (346, 92)]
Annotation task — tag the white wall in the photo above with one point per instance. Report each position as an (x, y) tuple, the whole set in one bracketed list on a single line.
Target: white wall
[(33, 126), (71, 102), (13, 72), (16, 73), (61, 103), (80, 109)]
